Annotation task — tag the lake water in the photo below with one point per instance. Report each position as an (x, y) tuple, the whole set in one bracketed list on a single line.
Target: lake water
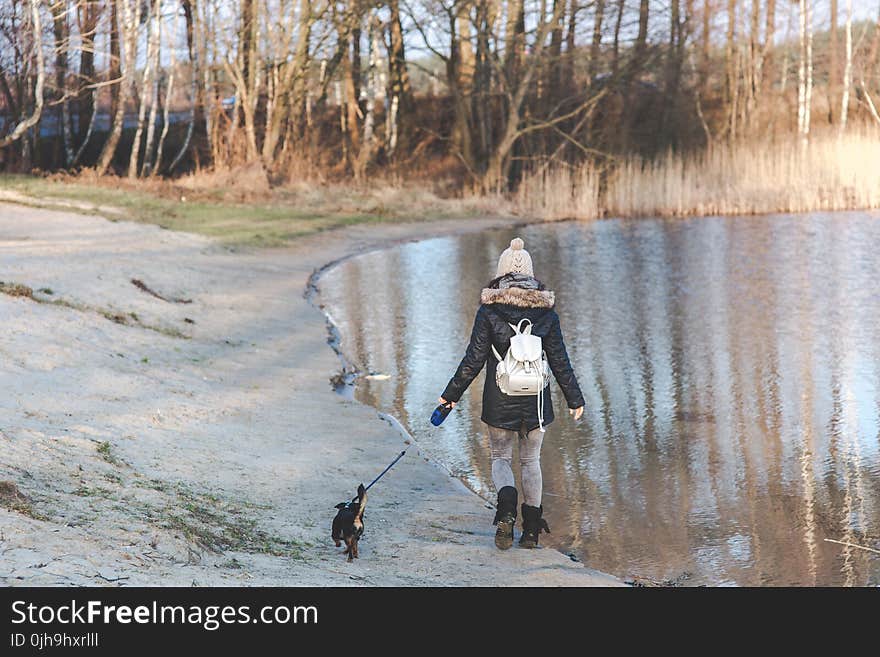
[(731, 369)]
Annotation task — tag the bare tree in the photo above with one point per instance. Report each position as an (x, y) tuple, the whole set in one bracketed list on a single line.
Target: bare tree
[(732, 74), (515, 84), (88, 15), (618, 22), (769, 71), (287, 78), (596, 43)]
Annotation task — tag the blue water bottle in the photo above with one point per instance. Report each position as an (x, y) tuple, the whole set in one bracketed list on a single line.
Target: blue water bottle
[(440, 413)]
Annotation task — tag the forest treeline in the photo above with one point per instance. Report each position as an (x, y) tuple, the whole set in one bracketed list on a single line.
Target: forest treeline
[(484, 92)]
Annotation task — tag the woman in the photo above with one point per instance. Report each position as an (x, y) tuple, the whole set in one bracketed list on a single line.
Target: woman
[(515, 294)]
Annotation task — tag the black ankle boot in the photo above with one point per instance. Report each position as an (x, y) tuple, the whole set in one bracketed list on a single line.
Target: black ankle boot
[(505, 517), (533, 524)]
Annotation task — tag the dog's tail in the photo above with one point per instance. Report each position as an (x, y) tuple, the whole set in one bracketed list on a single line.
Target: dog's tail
[(362, 499)]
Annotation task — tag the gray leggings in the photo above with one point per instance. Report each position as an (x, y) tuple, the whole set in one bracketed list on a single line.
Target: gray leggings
[(501, 448)]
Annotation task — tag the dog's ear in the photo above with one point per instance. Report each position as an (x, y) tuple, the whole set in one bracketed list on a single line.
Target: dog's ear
[(361, 491), (341, 505)]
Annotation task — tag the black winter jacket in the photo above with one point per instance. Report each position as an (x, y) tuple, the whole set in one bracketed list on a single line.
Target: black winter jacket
[(491, 327)]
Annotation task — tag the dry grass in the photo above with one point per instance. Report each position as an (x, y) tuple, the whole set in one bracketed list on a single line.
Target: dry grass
[(16, 290), (562, 193), (244, 206), (13, 499), (746, 178), (240, 207)]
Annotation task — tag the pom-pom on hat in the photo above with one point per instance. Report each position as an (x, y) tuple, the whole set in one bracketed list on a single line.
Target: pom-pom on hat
[(515, 260)]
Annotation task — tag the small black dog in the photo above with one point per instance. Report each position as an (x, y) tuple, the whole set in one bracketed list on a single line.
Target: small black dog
[(348, 525)]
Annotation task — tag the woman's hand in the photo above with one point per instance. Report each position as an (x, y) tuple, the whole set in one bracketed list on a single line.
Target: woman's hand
[(576, 412), (444, 402)]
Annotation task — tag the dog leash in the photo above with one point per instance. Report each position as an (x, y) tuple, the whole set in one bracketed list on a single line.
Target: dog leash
[(399, 456)]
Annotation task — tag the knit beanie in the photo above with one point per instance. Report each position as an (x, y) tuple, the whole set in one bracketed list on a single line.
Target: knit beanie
[(515, 260)]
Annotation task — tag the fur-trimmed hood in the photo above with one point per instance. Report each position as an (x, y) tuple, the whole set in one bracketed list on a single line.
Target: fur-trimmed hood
[(520, 297)]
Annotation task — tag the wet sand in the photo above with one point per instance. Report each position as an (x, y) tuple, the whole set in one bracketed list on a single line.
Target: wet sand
[(196, 438)]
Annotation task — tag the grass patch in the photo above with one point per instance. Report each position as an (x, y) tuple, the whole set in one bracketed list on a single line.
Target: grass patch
[(125, 319), (16, 290), (266, 217), (105, 451), (12, 499), (87, 491), (215, 525)]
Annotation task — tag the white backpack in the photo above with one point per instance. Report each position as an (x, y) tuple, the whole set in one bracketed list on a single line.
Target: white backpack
[(524, 369)]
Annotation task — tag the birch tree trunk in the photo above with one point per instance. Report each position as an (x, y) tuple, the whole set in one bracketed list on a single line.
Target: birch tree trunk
[(871, 65), (802, 69), (808, 94), (33, 119), (154, 94), (166, 107), (805, 71), (127, 43), (833, 63), (847, 73), (91, 128), (146, 88), (189, 17), (368, 145)]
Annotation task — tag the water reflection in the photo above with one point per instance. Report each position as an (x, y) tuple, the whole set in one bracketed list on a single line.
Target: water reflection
[(731, 373)]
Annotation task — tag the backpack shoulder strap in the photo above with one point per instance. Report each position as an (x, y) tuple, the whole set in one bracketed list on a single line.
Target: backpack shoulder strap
[(491, 308), (497, 355)]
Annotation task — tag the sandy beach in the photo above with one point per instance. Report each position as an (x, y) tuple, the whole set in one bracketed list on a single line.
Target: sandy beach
[(184, 431)]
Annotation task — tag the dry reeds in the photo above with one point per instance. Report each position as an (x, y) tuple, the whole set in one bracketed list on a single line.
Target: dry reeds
[(829, 173), (561, 193)]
